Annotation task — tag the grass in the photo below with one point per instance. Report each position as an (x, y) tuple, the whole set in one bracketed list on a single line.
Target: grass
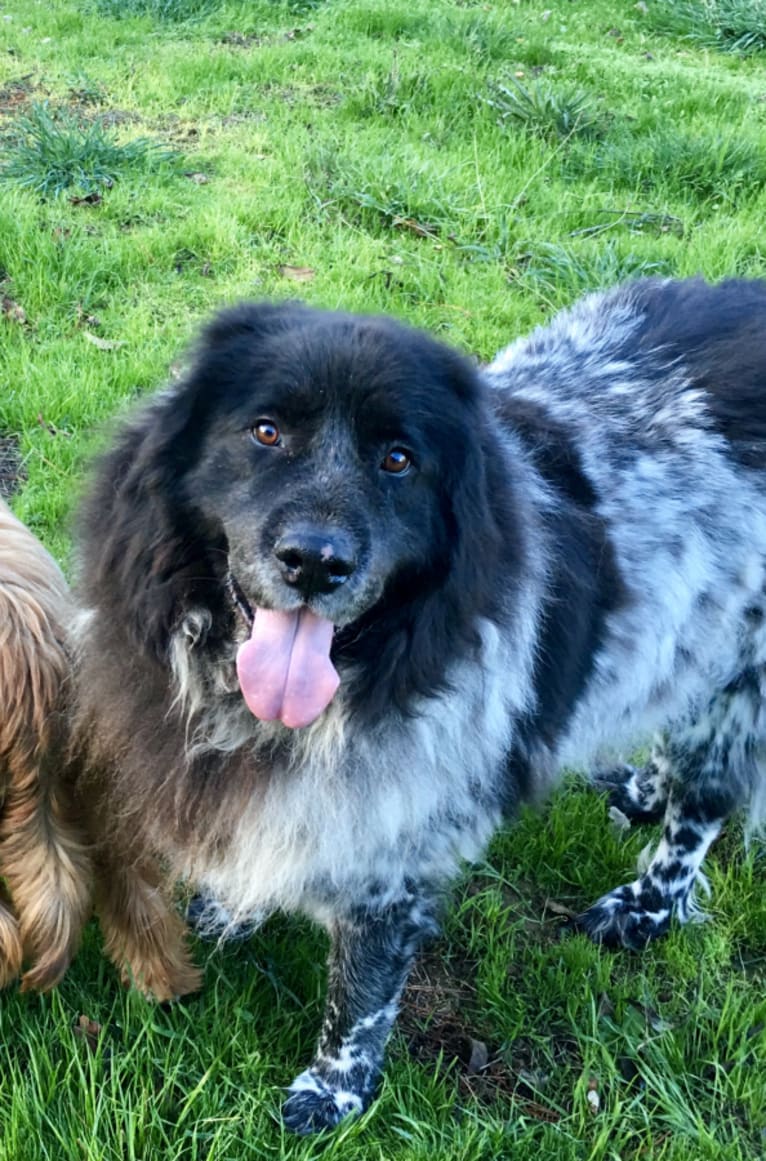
[(540, 108), (424, 158), (737, 26), (51, 152)]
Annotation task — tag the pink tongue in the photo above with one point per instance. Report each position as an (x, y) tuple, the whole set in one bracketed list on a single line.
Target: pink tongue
[(284, 670)]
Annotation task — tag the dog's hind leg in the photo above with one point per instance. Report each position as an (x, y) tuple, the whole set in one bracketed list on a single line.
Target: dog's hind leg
[(713, 765), (143, 933), (370, 958), (46, 865)]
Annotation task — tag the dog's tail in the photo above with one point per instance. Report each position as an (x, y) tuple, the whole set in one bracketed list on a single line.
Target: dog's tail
[(43, 855)]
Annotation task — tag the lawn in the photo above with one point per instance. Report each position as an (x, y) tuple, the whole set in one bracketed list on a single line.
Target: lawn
[(469, 167)]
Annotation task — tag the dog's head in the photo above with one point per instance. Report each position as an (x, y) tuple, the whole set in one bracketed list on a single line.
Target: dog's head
[(335, 464)]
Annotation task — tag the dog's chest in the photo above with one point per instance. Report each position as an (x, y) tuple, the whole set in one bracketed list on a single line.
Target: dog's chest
[(352, 815)]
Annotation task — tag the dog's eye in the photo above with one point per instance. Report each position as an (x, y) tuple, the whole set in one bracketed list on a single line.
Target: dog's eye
[(266, 432), (396, 461)]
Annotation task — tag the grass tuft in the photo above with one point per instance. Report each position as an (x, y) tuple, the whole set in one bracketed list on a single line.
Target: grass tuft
[(558, 273), (737, 26), (554, 114), (52, 152), (169, 10)]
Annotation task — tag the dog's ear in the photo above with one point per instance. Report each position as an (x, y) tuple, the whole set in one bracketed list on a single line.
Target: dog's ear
[(144, 557), (482, 535)]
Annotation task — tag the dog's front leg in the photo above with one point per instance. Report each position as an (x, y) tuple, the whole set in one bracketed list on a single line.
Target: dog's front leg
[(370, 957)]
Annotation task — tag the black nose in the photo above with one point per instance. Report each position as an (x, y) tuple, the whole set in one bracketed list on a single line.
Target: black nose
[(315, 560)]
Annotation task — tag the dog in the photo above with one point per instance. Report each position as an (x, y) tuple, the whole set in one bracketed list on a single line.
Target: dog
[(43, 853), (351, 599)]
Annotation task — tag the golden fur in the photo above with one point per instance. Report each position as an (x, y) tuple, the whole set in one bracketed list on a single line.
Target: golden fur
[(43, 857)]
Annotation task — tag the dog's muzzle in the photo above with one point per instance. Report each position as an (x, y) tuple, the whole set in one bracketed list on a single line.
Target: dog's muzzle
[(315, 561)]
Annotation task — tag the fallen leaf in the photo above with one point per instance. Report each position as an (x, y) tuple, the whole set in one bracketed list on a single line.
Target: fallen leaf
[(297, 273), (85, 319), (104, 344), (560, 909), (12, 310), (540, 1112), (415, 227), (89, 1031), (91, 199), (656, 1022), (51, 427), (605, 1006), (478, 1055)]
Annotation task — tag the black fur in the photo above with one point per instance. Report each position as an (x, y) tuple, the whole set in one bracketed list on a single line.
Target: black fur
[(575, 557)]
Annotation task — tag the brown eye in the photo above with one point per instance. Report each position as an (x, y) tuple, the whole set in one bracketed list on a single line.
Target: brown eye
[(397, 461), (266, 432)]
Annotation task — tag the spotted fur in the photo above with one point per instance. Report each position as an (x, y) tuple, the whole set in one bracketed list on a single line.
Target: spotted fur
[(575, 562)]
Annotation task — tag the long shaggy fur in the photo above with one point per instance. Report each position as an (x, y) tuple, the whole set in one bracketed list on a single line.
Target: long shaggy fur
[(42, 853), (573, 561)]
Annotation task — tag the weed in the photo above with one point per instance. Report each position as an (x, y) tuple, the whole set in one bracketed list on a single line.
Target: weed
[(50, 152), (539, 108), (728, 166), (169, 10), (737, 26), (559, 273)]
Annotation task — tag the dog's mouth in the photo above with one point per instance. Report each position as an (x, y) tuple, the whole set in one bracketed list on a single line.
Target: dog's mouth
[(284, 669)]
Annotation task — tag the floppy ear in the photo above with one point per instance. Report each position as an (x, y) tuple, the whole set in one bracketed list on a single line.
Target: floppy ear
[(482, 533), (147, 554), (144, 557)]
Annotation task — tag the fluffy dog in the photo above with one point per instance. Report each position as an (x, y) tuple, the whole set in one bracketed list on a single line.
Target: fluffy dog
[(352, 599), (42, 855)]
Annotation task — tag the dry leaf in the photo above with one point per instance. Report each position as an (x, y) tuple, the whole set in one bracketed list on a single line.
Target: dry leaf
[(89, 1031), (540, 1112), (91, 199), (298, 273), (415, 227), (560, 909), (12, 310), (104, 344), (51, 427), (85, 319), (478, 1055)]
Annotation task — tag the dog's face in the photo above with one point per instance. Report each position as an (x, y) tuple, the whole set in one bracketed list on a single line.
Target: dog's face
[(329, 448), (336, 466)]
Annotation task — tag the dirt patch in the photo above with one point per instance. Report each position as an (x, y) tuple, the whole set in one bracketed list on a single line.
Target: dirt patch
[(441, 1026), (12, 473), (15, 96)]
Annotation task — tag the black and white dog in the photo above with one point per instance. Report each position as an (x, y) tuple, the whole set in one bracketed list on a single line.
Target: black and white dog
[(351, 600)]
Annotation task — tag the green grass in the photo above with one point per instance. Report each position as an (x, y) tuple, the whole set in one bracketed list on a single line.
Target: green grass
[(737, 26), (54, 151), (470, 168)]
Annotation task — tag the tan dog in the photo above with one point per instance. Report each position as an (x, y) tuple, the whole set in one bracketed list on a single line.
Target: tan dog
[(43, 858)]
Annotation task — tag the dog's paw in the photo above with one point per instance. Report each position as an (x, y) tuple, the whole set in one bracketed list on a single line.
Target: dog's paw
[(628, 917), (633, 792), (313, 1104)]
